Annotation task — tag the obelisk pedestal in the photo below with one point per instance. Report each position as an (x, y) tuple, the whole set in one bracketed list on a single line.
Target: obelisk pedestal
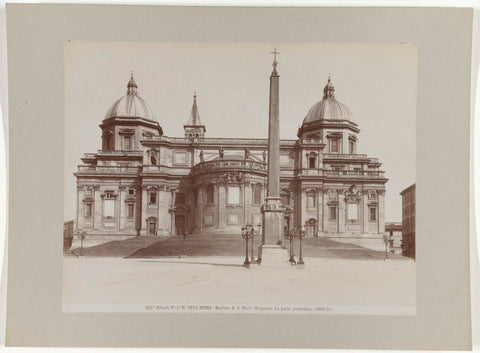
[(271, 252)]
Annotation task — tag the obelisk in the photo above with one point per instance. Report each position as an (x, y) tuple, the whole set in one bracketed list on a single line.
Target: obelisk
[(272, 209)]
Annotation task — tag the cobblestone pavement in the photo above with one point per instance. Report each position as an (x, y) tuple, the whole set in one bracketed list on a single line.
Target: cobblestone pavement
[(347, 286)]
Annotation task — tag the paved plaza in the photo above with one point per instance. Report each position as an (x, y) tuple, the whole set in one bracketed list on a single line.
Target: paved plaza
[(366, 286)]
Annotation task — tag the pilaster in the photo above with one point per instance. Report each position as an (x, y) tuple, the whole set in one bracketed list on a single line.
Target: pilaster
[(222, 214), (381, 212), (143, 222), (341, 211), (97, 205), (122, 209)]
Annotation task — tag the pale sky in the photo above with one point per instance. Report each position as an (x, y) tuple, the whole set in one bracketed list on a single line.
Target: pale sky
[(378, 82)]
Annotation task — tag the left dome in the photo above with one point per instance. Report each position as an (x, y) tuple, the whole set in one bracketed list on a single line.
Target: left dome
[(131, 105)]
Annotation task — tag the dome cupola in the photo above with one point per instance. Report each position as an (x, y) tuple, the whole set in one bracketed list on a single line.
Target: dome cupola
[(328, 113), (328, 108), (131, 105)]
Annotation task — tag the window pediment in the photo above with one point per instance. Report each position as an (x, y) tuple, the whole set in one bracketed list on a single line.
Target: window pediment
[(334, 135), (126, 132)]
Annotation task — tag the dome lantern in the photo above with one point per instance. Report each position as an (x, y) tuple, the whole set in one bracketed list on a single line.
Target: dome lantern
[(132, 86), (329, 90), (130, 105)]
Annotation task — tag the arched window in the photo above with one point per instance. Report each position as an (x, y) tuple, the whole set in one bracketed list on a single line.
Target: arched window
[(210, 192), (257, 194)]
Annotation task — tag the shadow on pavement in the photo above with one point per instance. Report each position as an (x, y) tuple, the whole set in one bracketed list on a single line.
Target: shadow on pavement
[(197, 263)]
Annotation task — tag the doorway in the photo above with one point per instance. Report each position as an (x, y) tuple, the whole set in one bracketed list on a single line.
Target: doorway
[(179, 224), (152, 226)]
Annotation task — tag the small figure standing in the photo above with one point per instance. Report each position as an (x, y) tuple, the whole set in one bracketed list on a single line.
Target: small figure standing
[(201, 156), (220, 152), (264, 154)]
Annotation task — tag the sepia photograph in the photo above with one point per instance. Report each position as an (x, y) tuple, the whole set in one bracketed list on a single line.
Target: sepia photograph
[(240, 177)]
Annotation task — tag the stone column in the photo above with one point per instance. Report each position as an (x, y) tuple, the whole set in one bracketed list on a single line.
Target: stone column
[(248, 202), (201, 203), (303, 208), (78, 208), (172, 212), (319, 210), (366, 213), (381, 212), (122, 207), (325, 209), (341, 212), (144, 215), (97, 208), (222, 199)]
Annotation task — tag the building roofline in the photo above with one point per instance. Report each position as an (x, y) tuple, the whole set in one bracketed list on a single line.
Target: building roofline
[(407, 189)]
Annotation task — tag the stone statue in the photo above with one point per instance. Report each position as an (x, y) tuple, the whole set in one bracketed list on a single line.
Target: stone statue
[(264, 154), (247, 153), (220, 152), (201, 157)]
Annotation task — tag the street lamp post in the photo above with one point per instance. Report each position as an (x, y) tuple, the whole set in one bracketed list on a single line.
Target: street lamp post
[(289, 234), (246, 235), (249, 232), (300, 233), (255, 232), (185, 233)]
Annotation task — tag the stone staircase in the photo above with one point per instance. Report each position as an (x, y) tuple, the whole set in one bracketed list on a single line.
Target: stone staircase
[(224, 245)]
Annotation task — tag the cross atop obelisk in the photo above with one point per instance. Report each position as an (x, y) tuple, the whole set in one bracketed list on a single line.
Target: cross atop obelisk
[(274, 52), (275, 63)]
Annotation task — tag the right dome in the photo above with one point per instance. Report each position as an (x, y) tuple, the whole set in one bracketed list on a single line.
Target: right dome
[(328, 108)]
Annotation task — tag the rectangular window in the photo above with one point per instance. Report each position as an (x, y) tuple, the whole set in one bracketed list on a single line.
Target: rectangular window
[(312, 163), (257, 194), (127, 142), (373, 214), (109, 208), (210, 193), (131, 191), (333, 213), (311, 200), (152, 198), (352, 147), (285, 200), (88, 210), (131, 210), (88, 192), (334, 146)]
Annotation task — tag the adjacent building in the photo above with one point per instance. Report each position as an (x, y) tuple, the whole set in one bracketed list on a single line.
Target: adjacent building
[(408, 221), (393, 231), (145, 183)]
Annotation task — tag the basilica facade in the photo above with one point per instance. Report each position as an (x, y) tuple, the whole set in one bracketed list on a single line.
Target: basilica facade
[(143, 182)]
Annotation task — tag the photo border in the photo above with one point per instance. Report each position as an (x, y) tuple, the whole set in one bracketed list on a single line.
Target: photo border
[(36, 35)]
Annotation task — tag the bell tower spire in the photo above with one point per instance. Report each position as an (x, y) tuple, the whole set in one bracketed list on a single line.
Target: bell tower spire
[(194, 128)]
